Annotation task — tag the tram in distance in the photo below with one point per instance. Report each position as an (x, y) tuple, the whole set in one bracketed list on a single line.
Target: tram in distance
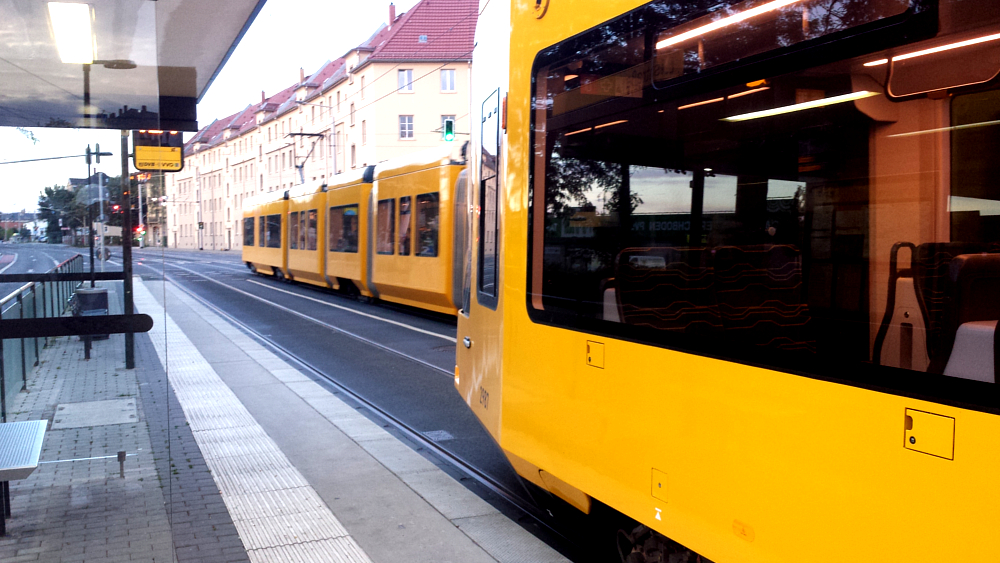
[(759, 244), (387, 231)]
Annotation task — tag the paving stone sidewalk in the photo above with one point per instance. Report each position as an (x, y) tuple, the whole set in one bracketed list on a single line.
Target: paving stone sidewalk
[(75, 507)]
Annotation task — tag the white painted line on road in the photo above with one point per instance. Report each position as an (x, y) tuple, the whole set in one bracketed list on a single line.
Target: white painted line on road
[(314, 320), (348, 309), (4, 269)]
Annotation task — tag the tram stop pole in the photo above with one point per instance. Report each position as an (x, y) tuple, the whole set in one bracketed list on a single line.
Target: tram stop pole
[(126, 185)]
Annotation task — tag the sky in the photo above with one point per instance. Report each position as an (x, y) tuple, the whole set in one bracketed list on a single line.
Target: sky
[(286, 35)]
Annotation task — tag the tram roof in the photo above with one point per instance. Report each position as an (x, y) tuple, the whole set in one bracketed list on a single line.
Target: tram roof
[(152, 61), (443, 154)]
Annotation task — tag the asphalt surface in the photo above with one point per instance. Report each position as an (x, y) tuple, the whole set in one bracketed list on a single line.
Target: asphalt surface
[(29, 258)]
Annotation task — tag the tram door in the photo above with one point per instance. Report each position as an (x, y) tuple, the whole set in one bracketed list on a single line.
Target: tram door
[(480, 323)]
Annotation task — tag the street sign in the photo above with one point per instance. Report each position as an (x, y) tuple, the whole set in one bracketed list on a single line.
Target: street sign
[(158, 150)]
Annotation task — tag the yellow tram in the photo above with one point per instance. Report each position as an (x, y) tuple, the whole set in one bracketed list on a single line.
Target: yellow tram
[(734, 270), (386, 231)]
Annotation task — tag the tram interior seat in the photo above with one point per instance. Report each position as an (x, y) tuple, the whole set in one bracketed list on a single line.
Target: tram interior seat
[(956, 288), (970, 322), (752, 294)]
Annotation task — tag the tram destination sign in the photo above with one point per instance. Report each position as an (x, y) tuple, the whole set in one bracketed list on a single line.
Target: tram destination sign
[(158, 150)]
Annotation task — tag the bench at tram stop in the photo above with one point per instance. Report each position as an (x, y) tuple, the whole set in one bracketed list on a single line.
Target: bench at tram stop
[(20, 447)]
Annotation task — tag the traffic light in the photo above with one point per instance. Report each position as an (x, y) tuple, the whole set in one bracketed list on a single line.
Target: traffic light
[(115, 208), (449, 129)]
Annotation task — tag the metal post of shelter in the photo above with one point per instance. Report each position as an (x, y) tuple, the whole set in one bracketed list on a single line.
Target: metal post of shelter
[(127, 252)]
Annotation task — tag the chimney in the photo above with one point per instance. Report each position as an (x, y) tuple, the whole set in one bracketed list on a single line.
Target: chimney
[(392, 14), (302, 75), (262, 97)]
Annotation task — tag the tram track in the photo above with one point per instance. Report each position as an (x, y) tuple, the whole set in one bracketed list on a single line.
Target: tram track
[(514, 499)]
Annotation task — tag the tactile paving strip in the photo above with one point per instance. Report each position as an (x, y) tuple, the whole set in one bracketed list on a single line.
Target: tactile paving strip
[(279, 517)]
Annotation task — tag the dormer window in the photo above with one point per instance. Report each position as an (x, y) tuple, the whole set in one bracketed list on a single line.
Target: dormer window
[(422, 39)]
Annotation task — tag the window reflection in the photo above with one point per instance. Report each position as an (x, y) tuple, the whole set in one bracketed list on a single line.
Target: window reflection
[(826, 226)]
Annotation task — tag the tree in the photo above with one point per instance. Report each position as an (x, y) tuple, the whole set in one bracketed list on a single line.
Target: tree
[(56, 203)]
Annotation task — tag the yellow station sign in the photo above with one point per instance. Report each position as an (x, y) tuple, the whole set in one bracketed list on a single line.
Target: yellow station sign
[(158, 150), (169, 159)]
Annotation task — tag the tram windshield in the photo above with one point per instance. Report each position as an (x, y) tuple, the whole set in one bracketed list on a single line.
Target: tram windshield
[(810, 217)]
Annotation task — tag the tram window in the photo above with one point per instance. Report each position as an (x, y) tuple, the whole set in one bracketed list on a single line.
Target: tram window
[(302, 230), (248, 231), (761, 221), (293, 230), (263, 231), (427, 224), (404, 226), (344, 228), (489, 194), (386, 231), (273, 231), (311, 230)]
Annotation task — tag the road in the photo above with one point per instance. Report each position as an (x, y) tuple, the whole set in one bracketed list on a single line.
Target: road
[(29, 258)]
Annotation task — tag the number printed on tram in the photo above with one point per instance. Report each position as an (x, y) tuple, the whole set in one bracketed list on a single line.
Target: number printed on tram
[(484, 397)]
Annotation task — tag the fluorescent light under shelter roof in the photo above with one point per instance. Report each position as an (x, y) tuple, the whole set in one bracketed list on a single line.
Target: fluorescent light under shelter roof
[(71, 26)]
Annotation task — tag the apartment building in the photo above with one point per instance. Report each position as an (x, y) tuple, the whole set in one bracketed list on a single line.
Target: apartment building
[(384, 98)]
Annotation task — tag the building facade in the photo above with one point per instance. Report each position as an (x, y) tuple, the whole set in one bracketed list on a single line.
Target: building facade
[(385, 98)]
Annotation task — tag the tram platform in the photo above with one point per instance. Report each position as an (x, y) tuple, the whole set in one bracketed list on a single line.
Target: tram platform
[(231, 454)]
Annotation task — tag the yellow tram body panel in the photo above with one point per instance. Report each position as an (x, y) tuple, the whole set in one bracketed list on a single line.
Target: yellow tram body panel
[(412, 262), (736, 462), (306, 249), (269, 211), (347, 224)]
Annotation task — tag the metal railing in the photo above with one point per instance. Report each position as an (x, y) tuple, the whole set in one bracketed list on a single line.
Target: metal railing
[(34, 300)]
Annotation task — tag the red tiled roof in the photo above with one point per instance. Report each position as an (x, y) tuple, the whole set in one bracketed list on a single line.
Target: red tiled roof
[(449, 27), (326, 71)]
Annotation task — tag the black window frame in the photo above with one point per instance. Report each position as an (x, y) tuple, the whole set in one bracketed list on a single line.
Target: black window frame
[(917, 24), (487, 295)]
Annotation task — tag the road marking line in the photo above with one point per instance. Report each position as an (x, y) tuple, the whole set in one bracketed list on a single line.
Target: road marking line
[(313, 320), (348, 309), (4, 269)]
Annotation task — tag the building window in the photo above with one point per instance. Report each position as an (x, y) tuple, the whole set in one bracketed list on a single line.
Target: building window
[(448, 80), (364, 132), (338, 101), (406, 127), (352, 114), (422, 39), (406, 80), (354, 156), (362, 87)]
